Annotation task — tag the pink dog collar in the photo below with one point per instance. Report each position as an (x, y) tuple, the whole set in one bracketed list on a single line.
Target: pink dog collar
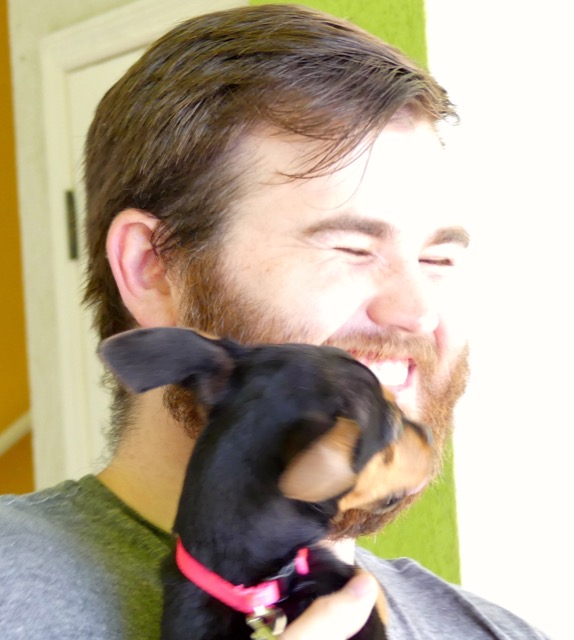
[(238, 597)]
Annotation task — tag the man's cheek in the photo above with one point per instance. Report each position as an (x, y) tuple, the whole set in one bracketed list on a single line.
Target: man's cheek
[(339, 309), (455, 308)]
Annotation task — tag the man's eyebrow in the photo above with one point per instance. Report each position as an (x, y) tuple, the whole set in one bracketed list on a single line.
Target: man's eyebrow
[(382, 230), (450, 235), (346, 222)]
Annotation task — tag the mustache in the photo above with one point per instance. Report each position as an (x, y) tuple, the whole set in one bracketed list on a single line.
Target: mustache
[(388, 345)]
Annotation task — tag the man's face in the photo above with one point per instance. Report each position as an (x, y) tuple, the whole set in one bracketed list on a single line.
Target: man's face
[(368, 258)]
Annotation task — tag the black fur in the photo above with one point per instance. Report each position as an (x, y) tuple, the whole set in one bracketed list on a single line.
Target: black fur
[(265, 404)]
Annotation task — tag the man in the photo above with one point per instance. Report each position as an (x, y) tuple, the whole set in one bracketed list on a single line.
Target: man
[(267, 174)]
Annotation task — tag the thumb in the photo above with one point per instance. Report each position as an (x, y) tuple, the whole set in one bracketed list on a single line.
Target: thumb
[(337, 616)]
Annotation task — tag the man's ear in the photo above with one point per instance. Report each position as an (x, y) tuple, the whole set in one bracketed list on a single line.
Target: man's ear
[(139, 273)]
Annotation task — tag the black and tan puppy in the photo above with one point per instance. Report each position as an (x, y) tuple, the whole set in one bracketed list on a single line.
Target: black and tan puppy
[(296, 434)]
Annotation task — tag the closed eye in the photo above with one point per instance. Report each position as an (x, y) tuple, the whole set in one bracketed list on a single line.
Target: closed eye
[(444, 255), (386, 504), (438, 262), (354, 252)]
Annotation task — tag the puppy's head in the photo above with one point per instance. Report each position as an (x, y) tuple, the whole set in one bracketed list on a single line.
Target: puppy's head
[(342, 437), (328, 468)]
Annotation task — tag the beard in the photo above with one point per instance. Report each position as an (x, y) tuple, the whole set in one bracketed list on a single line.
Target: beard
[(437, 399), (215, 306)]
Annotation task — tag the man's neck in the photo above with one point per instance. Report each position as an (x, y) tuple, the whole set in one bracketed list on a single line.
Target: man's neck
[(148, 468)]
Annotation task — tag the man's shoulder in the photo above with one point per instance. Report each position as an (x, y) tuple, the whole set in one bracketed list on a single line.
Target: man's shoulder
[(37, 529), (39, 564), (70, 554), (27, 514), (79, 513), (420, 601)]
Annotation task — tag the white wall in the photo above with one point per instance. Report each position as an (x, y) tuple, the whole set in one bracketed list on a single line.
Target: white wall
[(508, 65)]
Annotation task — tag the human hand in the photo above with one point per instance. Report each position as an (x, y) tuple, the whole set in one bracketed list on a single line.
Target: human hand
[(337, 616)]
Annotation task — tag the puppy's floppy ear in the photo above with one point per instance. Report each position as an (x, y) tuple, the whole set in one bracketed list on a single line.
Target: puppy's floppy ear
[(323, 468), (144, 359)]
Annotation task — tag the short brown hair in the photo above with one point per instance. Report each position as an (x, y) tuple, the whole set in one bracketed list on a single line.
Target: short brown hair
[(163, 137)]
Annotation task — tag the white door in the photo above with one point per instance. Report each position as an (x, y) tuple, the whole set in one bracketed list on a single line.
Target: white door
[(86, 87), (78, 65)]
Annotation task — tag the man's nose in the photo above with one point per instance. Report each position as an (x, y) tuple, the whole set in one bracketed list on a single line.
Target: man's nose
[(404, 301)]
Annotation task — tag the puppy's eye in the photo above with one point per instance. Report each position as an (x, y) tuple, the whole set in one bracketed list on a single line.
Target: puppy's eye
[(390, 501), (386, 504)]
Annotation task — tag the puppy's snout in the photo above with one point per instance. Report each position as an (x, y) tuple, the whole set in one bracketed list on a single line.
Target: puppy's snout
[(400, 470), (423, 431)]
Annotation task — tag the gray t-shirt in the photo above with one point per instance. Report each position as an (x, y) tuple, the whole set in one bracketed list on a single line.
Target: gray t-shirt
[(77, 563)]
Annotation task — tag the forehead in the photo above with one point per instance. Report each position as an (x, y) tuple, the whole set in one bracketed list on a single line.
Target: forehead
[(401, 177)]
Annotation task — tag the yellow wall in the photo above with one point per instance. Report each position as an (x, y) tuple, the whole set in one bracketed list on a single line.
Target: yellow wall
[(16, 471)]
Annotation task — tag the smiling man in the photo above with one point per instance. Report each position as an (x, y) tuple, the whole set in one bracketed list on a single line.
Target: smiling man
[(269, 174)]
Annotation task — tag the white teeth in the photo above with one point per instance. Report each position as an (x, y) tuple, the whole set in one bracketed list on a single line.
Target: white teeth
[(390, 373)]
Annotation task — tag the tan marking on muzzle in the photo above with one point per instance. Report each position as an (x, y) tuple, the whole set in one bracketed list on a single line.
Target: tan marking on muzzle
[(324, 469), (401, 469)]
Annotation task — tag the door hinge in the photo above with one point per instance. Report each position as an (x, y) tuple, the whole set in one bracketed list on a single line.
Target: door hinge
[(72, 225)]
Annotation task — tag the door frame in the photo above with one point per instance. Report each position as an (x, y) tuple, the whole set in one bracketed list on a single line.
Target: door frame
[(58, 384)]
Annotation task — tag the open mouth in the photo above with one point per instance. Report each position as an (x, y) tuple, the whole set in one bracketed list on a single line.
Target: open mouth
[(397, 375), (393, 374)]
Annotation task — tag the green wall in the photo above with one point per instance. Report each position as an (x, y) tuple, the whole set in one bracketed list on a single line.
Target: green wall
[(428, 531), (399, 22)]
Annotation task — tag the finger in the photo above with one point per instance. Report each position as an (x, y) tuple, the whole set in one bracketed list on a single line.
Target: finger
[(337, 616)]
